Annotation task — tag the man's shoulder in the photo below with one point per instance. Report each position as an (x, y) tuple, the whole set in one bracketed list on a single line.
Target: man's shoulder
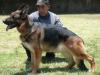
[(51, 13), (34, 14), (54, 16)]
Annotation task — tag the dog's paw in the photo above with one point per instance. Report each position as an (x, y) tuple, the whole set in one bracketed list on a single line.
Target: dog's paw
[(91, 70), (31, 73), (68, 67)]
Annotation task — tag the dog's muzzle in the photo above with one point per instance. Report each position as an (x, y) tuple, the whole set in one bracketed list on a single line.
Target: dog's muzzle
[(9, 24)]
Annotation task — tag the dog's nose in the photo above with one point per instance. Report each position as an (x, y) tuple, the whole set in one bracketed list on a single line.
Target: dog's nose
[(4, 21)]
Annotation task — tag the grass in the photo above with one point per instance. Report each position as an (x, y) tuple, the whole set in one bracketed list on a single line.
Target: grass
[(12, 55)]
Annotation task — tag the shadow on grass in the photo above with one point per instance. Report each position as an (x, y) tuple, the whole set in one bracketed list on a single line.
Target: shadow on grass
[(21, 73), (47, 69), (54, 60)]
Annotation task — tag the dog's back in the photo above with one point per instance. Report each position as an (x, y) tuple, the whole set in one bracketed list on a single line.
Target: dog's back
[(54, 35), (55, 38)]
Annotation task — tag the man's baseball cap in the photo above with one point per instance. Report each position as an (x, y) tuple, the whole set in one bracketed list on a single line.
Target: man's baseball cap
[(42, 2)]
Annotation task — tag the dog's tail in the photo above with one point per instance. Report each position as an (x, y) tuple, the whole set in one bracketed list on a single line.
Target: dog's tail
[(82, 66)]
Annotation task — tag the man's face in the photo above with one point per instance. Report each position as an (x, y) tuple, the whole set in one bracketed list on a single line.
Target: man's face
[(43, 9)]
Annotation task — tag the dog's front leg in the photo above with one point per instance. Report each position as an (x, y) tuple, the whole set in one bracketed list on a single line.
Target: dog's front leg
[(33, 62), (36, 58)]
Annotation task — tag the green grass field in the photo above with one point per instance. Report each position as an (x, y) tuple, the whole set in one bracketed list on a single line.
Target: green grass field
[(12, 55)]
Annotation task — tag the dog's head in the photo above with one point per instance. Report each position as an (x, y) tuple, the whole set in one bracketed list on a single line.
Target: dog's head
[(17, 17)]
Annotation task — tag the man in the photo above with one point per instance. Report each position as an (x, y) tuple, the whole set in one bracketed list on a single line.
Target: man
[(45, 18)]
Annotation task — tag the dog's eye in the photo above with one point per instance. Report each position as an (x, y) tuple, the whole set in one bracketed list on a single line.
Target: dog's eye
[(16, 17), (13, 17)]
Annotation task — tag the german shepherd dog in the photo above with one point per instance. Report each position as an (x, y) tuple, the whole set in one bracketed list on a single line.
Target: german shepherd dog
[(50, 39)]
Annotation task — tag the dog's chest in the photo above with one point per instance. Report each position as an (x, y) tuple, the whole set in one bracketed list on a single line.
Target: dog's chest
[(28, 45), (27, 42)]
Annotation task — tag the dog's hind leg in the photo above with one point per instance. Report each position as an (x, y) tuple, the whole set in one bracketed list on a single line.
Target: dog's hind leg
[(70, 60), (83, 55), (80, 64), (75, 44), (71, 64), (87, 57)]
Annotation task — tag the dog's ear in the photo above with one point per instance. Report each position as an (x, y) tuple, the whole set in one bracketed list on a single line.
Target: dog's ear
[(24, 8)]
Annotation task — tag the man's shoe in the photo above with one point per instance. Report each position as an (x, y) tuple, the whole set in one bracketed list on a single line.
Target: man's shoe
[(50, 56)]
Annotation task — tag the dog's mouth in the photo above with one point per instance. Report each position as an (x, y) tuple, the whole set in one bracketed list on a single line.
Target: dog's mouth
[(9, 24), (9, 27)]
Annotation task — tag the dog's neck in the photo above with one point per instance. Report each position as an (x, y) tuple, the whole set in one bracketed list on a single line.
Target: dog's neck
[(24, 28)]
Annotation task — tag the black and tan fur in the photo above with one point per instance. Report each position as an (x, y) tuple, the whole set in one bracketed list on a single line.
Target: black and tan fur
[(52, 39)]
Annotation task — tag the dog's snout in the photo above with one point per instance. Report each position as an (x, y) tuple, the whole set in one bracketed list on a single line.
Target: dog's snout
[(4, 21), (7, 21)]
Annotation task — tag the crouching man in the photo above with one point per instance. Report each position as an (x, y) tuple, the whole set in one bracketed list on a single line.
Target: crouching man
[(46, 18)]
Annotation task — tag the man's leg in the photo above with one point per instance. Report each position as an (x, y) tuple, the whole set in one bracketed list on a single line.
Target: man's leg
[(49, 56), (28, 54)]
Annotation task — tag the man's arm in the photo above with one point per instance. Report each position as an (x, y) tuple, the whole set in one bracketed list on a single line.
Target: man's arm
[(33, 18), (57, 21)]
